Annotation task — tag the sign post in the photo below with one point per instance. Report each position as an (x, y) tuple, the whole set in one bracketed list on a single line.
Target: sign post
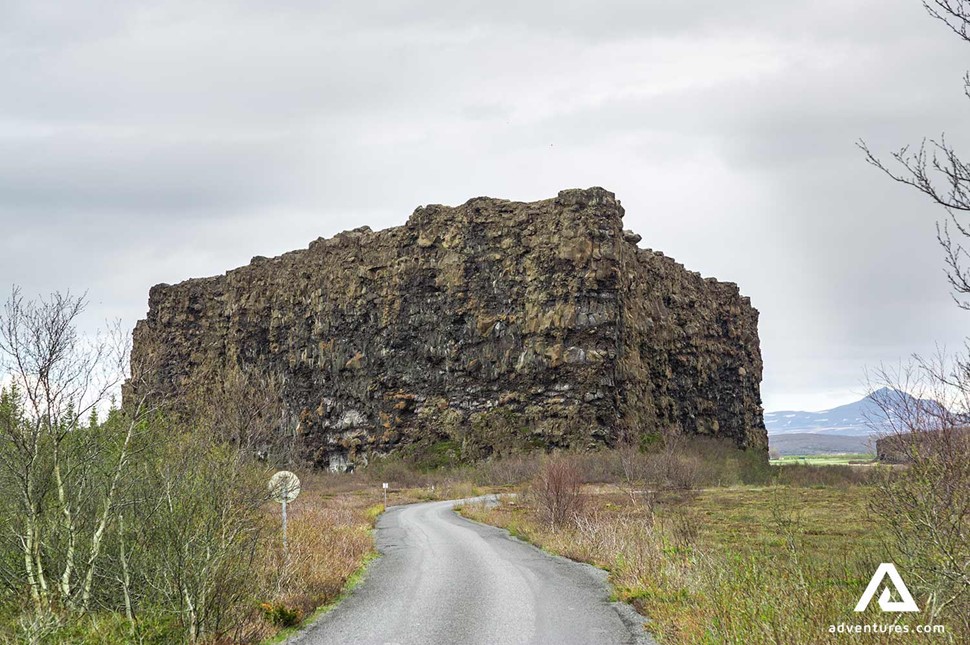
[(284, 487), (385, 495)]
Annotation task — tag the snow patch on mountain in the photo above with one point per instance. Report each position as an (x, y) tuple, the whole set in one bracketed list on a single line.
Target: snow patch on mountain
[(862, 418)]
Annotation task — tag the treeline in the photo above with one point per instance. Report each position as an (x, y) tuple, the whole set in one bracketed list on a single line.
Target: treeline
[(145, 520)]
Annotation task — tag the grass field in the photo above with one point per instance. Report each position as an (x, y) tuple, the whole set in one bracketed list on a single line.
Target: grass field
[(825, 460), (740, 564), (743, 553)]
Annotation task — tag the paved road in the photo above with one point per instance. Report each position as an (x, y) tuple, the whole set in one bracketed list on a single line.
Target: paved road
[(444, 579)]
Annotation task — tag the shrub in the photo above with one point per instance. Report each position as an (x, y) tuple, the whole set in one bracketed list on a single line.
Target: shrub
[(394, 470), (280, 615), (682, 471), (556, 490), (926, 508), (597, 467), (506, 471)]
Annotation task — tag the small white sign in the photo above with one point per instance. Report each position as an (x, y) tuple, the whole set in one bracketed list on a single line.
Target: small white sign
[(385, 485), (284, 486)]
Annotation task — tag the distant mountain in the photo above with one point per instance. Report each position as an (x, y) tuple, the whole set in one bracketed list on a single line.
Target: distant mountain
[(807, 443), (859, 419)]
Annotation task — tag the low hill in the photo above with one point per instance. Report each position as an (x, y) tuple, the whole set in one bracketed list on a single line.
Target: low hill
[(807, 443)]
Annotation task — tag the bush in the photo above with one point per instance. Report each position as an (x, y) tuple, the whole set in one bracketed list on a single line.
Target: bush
[(925, 506), (685, 463), (556, 491), (394, 470), (726, 465), (506, 471), (684, 527), (682, 472), (600, 466), (280, 615)]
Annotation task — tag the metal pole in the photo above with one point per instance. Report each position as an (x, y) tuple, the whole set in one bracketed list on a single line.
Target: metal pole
[(385, 498), (284, 525)]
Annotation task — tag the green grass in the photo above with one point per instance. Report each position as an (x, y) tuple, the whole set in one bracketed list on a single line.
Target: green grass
[(741, 564), (825, 460), (373, 512), (751, 517)]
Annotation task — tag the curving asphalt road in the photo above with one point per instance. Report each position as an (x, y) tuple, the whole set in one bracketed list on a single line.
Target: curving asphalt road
[(444, 579)]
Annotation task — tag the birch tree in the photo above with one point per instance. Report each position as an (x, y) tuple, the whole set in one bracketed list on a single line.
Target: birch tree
[(58, 379)]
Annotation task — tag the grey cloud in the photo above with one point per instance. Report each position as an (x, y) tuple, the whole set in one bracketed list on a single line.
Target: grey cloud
[(149, 142), (141, 174)]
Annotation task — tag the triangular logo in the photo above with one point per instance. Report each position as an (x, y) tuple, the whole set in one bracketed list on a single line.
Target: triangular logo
[(905, 604)]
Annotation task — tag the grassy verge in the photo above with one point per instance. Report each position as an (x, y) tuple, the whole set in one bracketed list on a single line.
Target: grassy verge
[(741, 564), (330, 542), (352, 583)]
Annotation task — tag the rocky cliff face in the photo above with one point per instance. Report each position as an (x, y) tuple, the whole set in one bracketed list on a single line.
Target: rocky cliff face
[(488, 327)]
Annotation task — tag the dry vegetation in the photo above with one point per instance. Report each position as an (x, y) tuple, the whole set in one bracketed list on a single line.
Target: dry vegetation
[(775, 561), (329, 541), (153, 525)]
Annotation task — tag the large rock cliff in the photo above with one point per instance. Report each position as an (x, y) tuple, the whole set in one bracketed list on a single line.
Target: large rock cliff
[(488, 327)]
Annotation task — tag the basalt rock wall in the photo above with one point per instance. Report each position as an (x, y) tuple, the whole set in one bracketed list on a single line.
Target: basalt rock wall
[(485, 328)]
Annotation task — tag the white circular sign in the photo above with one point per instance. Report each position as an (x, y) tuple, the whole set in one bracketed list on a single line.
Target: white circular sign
[(284, 486)]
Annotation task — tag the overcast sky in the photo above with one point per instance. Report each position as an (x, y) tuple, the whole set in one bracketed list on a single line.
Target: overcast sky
[(146, 142)]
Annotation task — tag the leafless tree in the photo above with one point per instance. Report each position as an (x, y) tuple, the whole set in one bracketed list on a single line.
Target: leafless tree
[(936, 169), (924, 407), (244, 408), (925, 503), (557, 491)]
